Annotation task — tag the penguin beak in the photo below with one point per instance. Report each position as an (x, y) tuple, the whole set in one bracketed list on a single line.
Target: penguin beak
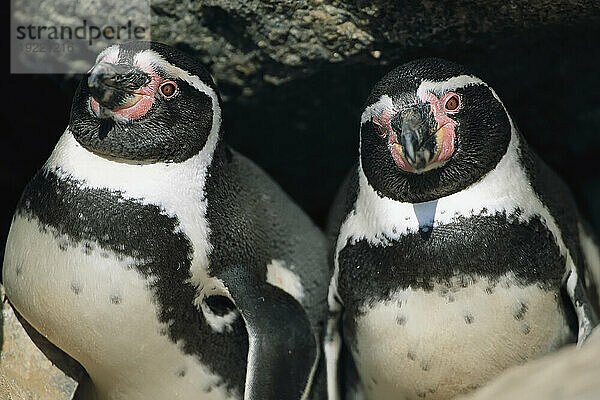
[(115, 86), (416, 129)]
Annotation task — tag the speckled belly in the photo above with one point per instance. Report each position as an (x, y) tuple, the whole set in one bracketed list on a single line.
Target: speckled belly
[(437, 344), (100, 310)]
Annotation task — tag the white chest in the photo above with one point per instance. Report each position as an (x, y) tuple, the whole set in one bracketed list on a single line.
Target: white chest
[(97, 307), (441, 343), (92, 302)]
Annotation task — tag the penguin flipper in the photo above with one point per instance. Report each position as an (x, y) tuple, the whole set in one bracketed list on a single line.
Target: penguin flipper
[(333, 347), (283, 349), (586, 316)]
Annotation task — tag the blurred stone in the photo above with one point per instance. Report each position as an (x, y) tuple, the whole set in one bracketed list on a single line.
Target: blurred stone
[(288, 39), (568, 374), (31, 368)]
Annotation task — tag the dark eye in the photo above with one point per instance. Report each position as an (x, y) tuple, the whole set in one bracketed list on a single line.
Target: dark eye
[(452, 103), (168, 89)]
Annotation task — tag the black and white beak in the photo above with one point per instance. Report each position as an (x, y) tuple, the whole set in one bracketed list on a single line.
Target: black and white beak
[(416, 133), (116, 86)]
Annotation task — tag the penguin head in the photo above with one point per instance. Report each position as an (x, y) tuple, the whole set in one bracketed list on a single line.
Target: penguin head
[(145, 102), (430, 129)]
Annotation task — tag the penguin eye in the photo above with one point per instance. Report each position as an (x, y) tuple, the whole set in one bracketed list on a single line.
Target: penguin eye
[(168, 89), (452, 103)]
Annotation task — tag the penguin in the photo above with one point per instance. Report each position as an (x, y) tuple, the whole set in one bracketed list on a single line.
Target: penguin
[(457, 252), (167, 264)]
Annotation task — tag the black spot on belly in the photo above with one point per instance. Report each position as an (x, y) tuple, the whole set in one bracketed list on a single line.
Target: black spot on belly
[(115, 299), (465, 280), (401, 320), (208, 388), (421, 395), (425, 365), (525, 328), (411, 356), (88, 248), (128, 228), (75, 287), (520, 313), (181, 372), (469, 318)]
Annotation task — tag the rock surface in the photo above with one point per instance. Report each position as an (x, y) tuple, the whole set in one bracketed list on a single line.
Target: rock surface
[(569, 374), (252, 43), (31, 368)]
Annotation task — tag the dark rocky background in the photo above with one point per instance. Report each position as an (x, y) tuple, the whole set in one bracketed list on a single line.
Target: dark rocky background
[(294, 75)]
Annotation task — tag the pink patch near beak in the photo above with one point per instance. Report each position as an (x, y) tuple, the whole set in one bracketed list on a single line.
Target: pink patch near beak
[(145, 101), (383, 124), (446, 130), (446, 125), (95, 106)]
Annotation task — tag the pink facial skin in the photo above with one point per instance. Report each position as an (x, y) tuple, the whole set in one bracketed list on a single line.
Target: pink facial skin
[(384, 127), (144, 97), (446, 125), (444, 136)]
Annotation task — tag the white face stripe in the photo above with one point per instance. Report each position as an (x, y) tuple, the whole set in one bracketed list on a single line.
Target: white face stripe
[(153, 58), (375, 109), (457, 82), (448, 85), (110, 54)]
